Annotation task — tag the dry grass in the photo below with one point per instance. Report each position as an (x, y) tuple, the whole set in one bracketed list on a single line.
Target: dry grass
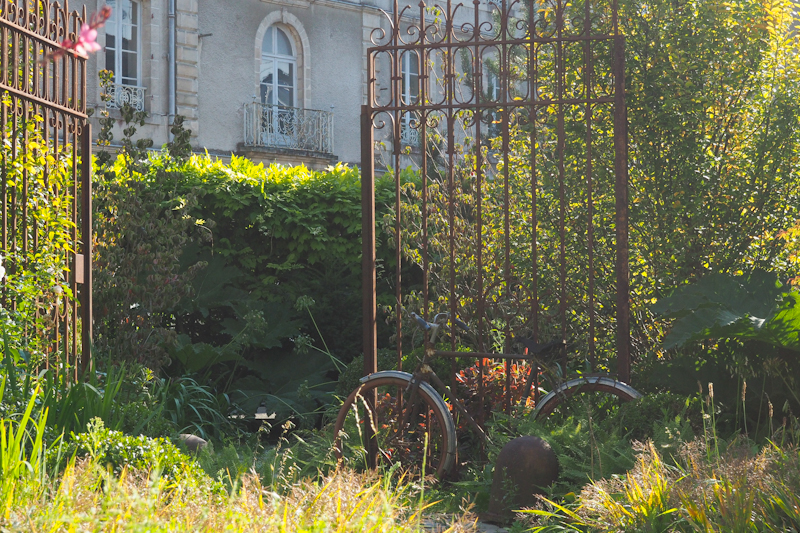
[(741, 489), (87, 498)]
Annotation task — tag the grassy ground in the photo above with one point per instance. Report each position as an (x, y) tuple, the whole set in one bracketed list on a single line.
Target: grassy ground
[(684, 478), (738, 488), (86, 497)]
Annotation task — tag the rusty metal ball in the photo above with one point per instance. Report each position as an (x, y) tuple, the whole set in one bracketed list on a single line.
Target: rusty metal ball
[(524, 467)]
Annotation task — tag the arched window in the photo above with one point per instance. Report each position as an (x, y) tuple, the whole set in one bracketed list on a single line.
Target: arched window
[(123, 42), (278, 69)]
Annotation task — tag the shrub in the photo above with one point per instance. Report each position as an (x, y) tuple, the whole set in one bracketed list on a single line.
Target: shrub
[(749, 324), (140, 233), (281, 233), (139, 453)]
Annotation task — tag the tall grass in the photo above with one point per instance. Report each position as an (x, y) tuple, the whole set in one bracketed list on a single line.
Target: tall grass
[(737, 491), (71, 405), (89, 498), (22, 453), (710, 486)]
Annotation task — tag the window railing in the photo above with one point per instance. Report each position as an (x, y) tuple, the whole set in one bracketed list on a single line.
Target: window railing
[(288, 127), (409, 129), (409, 135), (120, 95)]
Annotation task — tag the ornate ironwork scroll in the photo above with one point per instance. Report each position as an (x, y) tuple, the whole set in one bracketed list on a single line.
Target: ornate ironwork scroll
[(119, 95), (44, 102), (288, 127), (516, 218)]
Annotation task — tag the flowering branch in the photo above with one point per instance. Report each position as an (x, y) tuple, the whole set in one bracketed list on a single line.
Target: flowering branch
[(87, 39)]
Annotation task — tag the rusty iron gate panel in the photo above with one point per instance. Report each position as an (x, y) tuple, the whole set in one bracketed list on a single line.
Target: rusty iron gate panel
[(512, 115), (45, 101)]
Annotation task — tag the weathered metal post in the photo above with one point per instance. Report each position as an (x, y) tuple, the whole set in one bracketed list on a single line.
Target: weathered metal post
[(86, 236), (368, 258), (368, 243), (621, 219)]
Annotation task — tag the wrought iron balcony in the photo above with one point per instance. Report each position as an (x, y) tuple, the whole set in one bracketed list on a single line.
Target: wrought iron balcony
[(288, 127), (120, 95), (409, 135)]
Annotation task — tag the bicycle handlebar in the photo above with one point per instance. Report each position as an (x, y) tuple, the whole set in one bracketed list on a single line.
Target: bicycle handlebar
[(530, 345), (424, 324), (537, 348)]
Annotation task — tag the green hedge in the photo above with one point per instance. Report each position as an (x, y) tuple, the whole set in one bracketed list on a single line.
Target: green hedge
[(259, 270)]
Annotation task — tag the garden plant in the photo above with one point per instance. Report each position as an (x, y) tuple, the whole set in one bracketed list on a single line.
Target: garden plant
[(223, 290)]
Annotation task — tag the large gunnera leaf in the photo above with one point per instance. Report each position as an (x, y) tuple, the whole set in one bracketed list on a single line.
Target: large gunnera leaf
[(750, 307)]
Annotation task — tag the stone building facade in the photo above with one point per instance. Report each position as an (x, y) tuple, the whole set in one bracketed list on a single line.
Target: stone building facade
[(273, 80)]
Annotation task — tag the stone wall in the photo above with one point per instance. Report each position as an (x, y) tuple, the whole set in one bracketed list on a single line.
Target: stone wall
[(187, 64)]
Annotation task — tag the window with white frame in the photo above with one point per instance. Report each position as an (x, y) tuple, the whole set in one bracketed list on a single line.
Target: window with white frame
[(278, 69), (123, 41), (493, 94), (124, 54), (409, 127), (278, 87)]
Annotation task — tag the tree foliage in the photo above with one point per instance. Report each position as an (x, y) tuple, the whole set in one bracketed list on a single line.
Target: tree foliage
[(714, 137), (714, 117)]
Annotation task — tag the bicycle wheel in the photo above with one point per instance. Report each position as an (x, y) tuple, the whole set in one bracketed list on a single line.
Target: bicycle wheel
[(589, 384), (408, 428)]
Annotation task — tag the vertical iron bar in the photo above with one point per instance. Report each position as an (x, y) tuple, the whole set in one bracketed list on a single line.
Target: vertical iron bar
[(397, 100), (45, 125), (4, 70), (82, 65), (424, 87), (450, 94), (533, 112), (588, 72), (25, 144), (26, 59), (86, 236), (368, 258), (398, 235), (560, 149), (621, 219), (452, 298), (13, 247), (505, 292), (533, 70), (425, 258), (4, 185), (70, 326), (4, 73), (478, 74)]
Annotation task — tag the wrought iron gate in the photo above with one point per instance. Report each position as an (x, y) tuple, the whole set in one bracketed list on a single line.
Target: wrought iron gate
[(513, 115), (45, 105)]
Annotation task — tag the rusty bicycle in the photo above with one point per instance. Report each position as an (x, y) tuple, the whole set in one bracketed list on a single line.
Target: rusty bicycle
[(408, 418)]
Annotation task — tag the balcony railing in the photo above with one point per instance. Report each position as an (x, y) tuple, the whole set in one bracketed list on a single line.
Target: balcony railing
[(288, 127), (120, 95), (409, 135)]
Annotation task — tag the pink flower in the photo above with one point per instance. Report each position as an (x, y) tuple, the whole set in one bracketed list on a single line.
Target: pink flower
[(87, 41)]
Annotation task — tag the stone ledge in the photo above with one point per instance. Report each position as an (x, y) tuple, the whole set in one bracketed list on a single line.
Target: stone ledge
[(289, 3), (286, 156)]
